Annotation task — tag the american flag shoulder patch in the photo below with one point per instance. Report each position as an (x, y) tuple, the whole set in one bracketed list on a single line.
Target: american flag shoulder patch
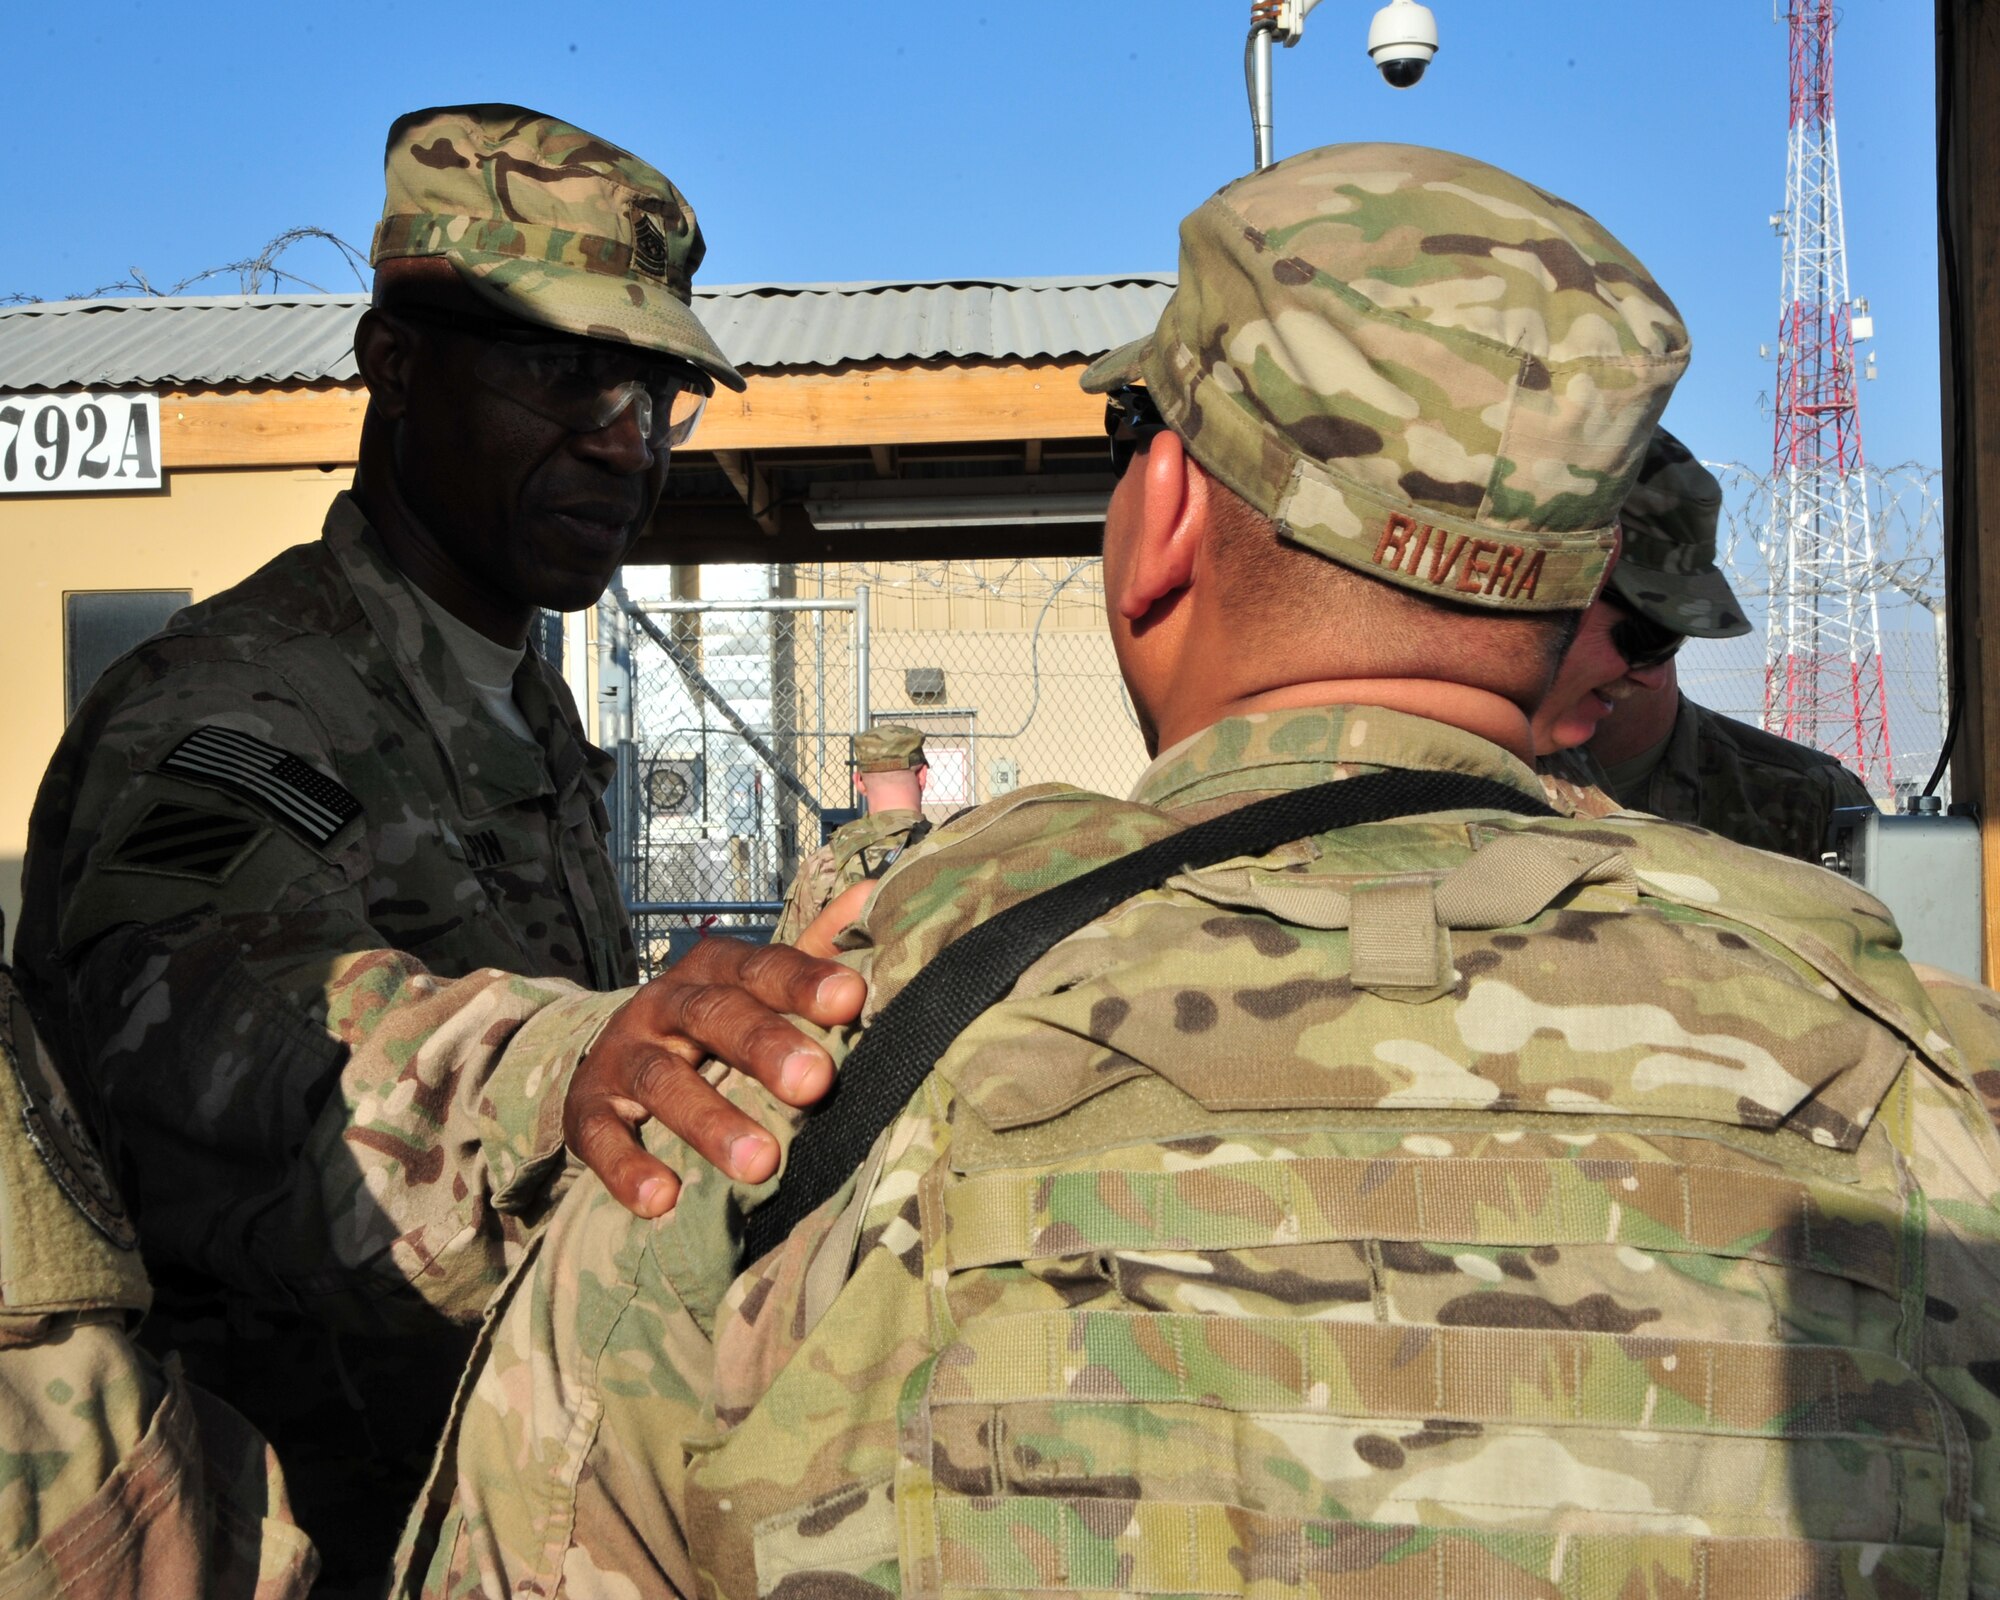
[(302, 797)]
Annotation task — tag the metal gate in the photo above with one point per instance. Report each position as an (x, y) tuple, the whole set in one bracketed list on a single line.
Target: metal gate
[(732, 722)]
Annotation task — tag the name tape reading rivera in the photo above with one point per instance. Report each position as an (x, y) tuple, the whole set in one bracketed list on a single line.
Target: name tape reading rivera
[(79, 443), (1488, 565)]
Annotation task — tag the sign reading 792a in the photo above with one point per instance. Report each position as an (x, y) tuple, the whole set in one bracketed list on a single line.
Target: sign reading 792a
[(79, 443)]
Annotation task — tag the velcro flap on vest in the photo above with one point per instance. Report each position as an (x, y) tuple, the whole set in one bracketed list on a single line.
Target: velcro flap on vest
[(1572, 988), (1398, 944)]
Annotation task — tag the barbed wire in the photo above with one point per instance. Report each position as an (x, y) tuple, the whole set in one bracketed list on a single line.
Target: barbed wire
[(1024, 581), (251, 273), (1906, 519)]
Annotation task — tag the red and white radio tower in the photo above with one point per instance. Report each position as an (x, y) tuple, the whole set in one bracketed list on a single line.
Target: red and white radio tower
[(1823, 680)]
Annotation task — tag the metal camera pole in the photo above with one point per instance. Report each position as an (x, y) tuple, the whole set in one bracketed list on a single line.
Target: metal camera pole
[(1401, 40), (1268, 18)]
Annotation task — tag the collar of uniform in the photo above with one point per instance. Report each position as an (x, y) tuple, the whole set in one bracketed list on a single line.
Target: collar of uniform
[(490, 767), (1272, 750)]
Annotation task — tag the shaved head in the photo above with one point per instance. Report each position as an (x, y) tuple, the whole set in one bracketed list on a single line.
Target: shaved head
[(1284, 600)]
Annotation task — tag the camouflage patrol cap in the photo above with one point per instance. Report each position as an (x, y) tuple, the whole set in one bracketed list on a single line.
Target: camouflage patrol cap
[(888, 747), (1417, 365), (551, 224), (1666, 569)]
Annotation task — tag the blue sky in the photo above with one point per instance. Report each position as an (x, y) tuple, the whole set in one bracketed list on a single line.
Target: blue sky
[(897, 139)]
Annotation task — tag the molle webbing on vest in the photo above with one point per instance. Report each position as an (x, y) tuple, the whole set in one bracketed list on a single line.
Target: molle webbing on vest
[(1155, 1547), (1853, 1233), (1364, 1370)]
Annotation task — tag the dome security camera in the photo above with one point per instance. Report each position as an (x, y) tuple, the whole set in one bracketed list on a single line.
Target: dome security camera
[(1401, 41)]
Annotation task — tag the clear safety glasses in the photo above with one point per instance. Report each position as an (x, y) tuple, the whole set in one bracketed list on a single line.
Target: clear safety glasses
[(580, 384)]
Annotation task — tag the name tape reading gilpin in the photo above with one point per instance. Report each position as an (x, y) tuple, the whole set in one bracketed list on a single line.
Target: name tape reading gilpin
[(79, 443)]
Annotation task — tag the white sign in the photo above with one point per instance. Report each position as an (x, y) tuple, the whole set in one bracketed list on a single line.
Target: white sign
[(79, 443), (950, 782)]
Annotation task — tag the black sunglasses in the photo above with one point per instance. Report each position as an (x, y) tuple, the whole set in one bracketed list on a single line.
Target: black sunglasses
[(1643, 642), (1130, 420)]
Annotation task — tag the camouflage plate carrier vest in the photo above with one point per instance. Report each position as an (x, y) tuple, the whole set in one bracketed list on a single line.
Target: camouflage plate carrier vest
[(1447, 1209)]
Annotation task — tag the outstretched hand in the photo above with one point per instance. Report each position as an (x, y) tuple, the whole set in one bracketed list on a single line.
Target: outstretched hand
[(723, 1001)]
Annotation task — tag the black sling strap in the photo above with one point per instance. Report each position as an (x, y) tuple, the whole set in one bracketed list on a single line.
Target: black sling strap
[(979, 969), (916, 837)]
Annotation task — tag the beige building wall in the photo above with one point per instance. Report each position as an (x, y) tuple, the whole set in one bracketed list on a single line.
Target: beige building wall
[(203, 532), (1031, 686)]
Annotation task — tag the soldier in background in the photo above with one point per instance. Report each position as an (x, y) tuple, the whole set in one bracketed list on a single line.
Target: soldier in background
[(119, 1480), (1468, 1202), (317, 900), (889, 773), (1631, 734)]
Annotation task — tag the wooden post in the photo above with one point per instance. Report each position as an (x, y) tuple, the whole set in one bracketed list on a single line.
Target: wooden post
[(1968, 66)]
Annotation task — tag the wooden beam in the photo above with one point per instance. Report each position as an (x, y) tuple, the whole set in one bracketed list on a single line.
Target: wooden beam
[(1968, 59), (689, 533), (262, 428), (753, 484), (1031, 457), (904, 404), (884, 458)]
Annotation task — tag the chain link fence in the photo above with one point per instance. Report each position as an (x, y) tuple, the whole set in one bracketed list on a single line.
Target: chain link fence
[(1727, 675), (732, 754), (1906, 577), (734, 718), (1005, 666)]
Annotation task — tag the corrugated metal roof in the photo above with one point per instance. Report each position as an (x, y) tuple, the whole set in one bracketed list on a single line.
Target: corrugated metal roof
[(304, 338)]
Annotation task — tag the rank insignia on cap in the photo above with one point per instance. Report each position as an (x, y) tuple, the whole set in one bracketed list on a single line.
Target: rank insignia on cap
[(56, 1131), (302, 797), (649, 247)]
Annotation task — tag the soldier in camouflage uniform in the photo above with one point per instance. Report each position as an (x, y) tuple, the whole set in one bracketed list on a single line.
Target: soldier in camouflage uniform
[(889, 773), (317, 893), (1475, 1204), (119, 1480), (1654, 749)]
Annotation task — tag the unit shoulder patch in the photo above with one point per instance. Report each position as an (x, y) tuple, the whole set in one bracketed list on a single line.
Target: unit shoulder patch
[(300, 796), (178, 841), (56, 1131)]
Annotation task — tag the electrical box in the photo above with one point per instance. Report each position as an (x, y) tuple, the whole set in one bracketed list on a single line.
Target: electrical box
[(1003, 776), (1925, 868)]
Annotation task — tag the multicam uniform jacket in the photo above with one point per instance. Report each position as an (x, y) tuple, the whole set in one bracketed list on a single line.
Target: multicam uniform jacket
[(118, 1479), (862, 849), (1632, 1233), (1733, 779), (316, 936)]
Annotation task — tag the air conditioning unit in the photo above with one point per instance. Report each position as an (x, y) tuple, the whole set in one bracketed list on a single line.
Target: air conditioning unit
[(672, 786)]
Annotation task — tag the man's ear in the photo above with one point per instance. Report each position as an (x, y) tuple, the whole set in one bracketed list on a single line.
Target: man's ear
[(1171, 511), (384, 350)]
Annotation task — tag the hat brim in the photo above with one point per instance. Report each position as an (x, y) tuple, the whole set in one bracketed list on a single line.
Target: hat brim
[(1700, 605), (1124, 365), (595, 305)]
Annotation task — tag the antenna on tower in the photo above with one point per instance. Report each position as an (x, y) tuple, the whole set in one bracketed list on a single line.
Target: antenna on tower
[(1823, 677)]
